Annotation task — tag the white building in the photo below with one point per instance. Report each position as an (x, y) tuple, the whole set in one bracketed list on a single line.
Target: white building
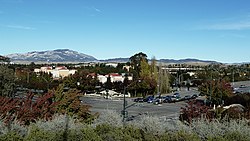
[(102, 78), (112, 64), (58, 72), (114, 77)]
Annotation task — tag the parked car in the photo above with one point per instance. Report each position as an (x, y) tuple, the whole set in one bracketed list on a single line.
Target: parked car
[(167, 99), (139, 99), (242, 86), (158, 100), (175, 99), (187, 97), (149, 99), (176, 95), (194, 96)]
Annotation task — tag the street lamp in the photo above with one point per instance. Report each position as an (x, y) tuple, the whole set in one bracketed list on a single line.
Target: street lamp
[(125, 103), (124, 112)]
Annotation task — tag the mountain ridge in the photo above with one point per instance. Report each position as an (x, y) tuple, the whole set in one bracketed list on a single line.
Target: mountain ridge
[(70, 56), (58, 55)]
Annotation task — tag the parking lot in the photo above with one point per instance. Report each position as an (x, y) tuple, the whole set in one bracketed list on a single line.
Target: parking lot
[(241, 87), (166, 110)]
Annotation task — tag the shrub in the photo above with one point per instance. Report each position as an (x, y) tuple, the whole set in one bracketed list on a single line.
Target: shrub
[(59, 123), (25, 110), (89, 134), (109, 117), (183, 136), (109, 133), (11, 136), (132, 133), (236, 136), (216, 129), (69, 103), (36, 134), (149, 124), (14, 127), (194, 110), (205, 128)]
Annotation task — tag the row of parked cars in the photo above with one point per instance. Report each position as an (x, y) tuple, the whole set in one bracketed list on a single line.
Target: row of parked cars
[(165, 99)]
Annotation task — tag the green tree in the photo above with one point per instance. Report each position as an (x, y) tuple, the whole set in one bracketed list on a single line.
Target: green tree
[(70, 104), (154, 69), (135, 61), (164, 80), (7, 79), (108, 84), (145, 69), (216, 90)]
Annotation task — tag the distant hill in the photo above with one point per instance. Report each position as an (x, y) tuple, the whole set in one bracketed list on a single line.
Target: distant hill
[(165, 61), (59, 55), (116, 60), (70, 56), (186, 61)]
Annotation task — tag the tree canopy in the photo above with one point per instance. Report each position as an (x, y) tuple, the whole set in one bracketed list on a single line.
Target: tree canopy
[(7, 79)]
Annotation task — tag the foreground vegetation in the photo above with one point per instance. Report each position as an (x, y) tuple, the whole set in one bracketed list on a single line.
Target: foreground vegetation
[(109, 127), (58, 114)]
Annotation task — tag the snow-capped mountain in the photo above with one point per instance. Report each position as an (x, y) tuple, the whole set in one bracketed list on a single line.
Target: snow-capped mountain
[(59, 55)]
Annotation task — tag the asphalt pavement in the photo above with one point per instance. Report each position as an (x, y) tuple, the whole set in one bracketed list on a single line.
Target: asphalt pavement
[(166, 110)]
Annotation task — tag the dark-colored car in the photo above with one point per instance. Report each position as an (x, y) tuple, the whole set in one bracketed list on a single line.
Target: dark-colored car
[(187, 97), (139, 99), (158, 100), (176, 95), (194, 96), (167, 99), (149, 99)]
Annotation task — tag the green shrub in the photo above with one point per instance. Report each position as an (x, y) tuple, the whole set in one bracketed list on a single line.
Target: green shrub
[(14, 127), (132, 133), (89, 134), (109, 133), (37, 134), (183, 136), (11, 136), (109, 117), (236, 136)]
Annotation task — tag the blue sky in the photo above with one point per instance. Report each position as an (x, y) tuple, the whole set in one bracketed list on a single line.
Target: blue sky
[(174, 29)]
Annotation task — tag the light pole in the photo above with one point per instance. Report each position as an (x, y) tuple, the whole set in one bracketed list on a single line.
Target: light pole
[(125, 103), (124, 112)]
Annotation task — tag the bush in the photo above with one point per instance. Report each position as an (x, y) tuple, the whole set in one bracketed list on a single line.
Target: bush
[(13, 127), (132, 133), (89, 134), (147, 128), (36, 134), (205, 128), (236, 136), (25, 110), (109, 117), (11, 136), (183, 136), (60, 122), (69, 103), (109, 133), (150, 124), (195, 110)]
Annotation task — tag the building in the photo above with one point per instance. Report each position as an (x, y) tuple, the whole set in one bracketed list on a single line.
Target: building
[(57, 72), (114, 77)]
